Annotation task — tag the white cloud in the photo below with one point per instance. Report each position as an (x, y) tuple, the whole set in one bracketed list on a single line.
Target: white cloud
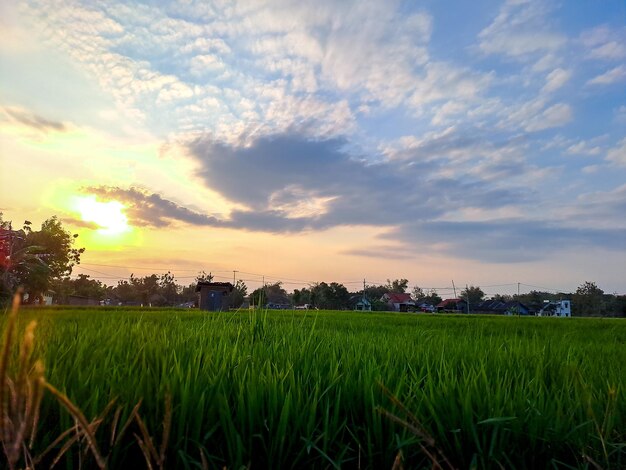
[(200, 65), (604, 43), (617, 155), (556, 79), (555, 116), (614, 75), (583, 148), (520, 30)]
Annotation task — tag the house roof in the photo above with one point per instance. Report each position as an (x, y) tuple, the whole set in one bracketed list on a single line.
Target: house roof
[(218, 285), (449, 303), (398, 298)]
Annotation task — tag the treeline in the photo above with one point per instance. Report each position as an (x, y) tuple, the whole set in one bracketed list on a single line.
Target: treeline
[(41, 262)]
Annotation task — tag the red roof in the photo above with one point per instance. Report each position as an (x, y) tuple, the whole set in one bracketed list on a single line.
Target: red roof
[(398, 298), (448, 303)]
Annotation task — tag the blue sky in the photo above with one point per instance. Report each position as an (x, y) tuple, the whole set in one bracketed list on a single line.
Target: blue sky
[(487, 137)]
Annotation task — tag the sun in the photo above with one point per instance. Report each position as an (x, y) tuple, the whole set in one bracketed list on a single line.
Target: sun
[(109, 216)]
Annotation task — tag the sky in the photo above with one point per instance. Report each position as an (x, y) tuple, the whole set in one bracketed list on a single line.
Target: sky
[(477, 142)]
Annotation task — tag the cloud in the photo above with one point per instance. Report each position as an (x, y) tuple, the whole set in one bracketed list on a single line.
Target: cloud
[(556, 79), (504, 241), (32, 120), (536, 115), (146, 209), (614, 75), (582, 148), (520, 30), (80, 223), (604, 43), (617, 155)]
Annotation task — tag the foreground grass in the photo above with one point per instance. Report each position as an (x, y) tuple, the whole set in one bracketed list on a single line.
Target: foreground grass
[(295, 389)]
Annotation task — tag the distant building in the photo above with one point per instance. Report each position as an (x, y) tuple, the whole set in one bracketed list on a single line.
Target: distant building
[(398, 301), (214, 296), (559, 308), (452, 305), (81, 300), (363, 305)]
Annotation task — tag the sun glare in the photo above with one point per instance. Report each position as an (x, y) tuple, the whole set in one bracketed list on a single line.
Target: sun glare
[(109, 216)]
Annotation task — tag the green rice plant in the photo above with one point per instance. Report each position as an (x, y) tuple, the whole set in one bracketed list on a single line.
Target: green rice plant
[(290, 389)]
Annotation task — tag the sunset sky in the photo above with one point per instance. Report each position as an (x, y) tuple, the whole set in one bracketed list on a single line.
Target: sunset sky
[(482, 142)]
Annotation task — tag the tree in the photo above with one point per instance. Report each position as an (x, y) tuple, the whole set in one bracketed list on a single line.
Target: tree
[(473, 295), (418, 294), (271, 293), (588, 299), (204, 277), (168, 289), (237, 295), (34, 259), (398, 286), (333, 296), (301, 296)]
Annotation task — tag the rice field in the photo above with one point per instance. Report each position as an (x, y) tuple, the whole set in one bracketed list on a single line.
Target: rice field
[(286, 389)]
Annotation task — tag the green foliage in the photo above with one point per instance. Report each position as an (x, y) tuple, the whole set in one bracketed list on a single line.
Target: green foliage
[(333, 296), (290, 389), (270, 293), (589, 300), (239, 292), (473, 295), (34, 259), (398, 286), (421, 296)]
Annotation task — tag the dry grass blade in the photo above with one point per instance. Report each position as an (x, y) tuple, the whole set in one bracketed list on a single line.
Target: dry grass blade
[(203, 460), (132, 415), (167, 423), (147, 440), (145, 451), (154, 458), (54, 444), (78, 416), (116, 419), (5, 393), (68, 444), (417, 429), (398, 462), (38, 396), (434, 454)]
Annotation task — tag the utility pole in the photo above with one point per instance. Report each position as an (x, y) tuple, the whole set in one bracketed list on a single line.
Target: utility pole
[(454, 288), (467, 296), (234, 271), (517, 306)]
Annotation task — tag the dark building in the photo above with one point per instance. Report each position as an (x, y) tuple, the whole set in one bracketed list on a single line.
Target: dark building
[(214, 296)]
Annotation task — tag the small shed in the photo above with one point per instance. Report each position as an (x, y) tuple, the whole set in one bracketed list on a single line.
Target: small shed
[(214, 296)]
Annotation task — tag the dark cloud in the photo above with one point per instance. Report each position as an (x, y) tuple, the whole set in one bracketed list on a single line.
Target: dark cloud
[(505, 241), (80, 223), (384, 252), (276, 169), (33, 120), (292, 184), (144, 208)]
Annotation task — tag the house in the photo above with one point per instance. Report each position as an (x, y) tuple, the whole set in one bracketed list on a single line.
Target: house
[(452, 305), (559, 308), (426, 307), (363, 305), (214, 296), (398, 301), (516, 308), (490, 306)]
